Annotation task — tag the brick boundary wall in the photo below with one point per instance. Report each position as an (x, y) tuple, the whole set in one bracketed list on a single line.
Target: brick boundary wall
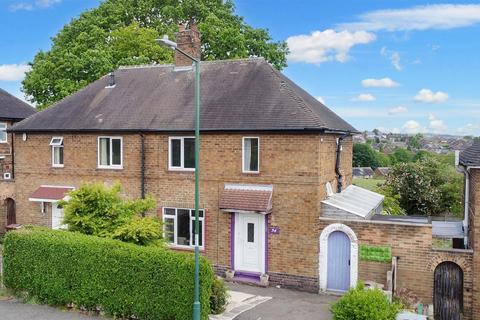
[(412, 243)]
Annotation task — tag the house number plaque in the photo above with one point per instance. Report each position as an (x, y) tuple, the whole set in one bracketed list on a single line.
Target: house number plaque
[(274, 230)]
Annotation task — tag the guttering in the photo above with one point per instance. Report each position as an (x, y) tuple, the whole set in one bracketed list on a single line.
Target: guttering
[(337, 163), (136, 130)]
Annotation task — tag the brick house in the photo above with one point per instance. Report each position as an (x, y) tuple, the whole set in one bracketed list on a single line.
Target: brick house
[(12, 110), (268, 149), (275, 179)]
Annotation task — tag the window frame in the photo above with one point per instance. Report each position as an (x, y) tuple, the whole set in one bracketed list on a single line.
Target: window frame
[(59, 145), (192, 225), (243, 155), (110, 166), (182, 153), (4, 130)]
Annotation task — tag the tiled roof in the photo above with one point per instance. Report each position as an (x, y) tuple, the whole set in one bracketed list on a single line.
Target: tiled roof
[(246, 94), (470, 157), (53, 193), (247, 198), (13, 108)]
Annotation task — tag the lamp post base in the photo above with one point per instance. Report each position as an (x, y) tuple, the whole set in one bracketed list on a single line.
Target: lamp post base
[(196, 310)]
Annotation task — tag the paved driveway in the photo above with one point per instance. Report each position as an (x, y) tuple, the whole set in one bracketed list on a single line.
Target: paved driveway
[(286, 304)]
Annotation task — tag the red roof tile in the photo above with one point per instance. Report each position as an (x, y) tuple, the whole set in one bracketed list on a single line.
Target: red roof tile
[(246, 199), (51, 193)]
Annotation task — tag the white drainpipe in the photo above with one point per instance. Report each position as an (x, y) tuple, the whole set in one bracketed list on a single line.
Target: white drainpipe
[(467, 205), (466, 195)]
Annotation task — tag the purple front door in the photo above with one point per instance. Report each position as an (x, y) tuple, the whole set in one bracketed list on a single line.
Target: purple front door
[(338, 272)]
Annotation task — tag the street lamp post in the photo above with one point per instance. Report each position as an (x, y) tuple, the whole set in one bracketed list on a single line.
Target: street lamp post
[(172, 45)]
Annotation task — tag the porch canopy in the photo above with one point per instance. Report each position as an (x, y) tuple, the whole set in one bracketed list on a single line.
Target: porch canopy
[(247, 198), (50, 193), (448, 229)]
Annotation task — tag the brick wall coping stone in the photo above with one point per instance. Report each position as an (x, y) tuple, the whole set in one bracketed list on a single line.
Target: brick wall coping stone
[(379, 222)]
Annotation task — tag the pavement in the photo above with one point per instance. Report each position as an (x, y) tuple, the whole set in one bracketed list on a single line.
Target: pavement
[(286, 304), (16, 310), (250, 303)]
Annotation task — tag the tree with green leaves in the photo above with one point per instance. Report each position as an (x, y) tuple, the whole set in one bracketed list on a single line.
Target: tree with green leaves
[(426, 187), (122, 32), (364, 156), (401, 155)]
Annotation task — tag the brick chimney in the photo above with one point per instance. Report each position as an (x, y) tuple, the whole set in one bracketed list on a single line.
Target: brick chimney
[(188, 40)]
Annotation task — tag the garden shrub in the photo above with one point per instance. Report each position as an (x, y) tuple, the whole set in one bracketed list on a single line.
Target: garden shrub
[(365, 304), (95, 209), (141, 231), (122, 279), (219, 297)]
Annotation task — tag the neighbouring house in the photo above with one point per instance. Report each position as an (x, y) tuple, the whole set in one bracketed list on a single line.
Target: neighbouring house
[(382, 171), (363, 172), (276, 170), (12, 110)]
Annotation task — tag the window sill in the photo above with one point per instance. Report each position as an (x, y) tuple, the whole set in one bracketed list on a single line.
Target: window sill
[(58, 166), (181, 170), (184, 248), (109, 168), (252, 173)]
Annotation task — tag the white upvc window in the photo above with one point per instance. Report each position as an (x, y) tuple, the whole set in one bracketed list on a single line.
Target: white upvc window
[(179, 227), (3, 132), (251, 154), (57, 152), (110, 152), (181, 153)]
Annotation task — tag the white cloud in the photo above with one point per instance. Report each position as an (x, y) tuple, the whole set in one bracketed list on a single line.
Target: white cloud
[(321, 99), (469, 128), (393, 56), (428, 96), (28, 6), (328, 45), (13, 72), (364, 97), (397, 110), (435, 16), (436, 124), (412, 126), (379, 83)]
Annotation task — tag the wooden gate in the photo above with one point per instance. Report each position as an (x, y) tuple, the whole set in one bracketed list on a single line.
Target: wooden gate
[(11, 214), (448, 291)]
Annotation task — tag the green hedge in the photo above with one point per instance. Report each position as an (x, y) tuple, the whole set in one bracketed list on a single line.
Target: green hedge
[(61, 267), (377, 254)]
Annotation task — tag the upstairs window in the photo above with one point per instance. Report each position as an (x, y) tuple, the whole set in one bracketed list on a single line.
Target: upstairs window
[(181, 153), (251, 154), (3, 132), (110, 152), (57, 151)]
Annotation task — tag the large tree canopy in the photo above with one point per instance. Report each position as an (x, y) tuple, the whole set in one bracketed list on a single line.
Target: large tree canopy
[(122, 32)]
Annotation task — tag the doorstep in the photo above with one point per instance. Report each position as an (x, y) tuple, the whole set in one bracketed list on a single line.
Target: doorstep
[(247, 278)]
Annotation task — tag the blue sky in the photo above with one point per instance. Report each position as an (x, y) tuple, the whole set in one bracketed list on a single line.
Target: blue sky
[(402, 66)]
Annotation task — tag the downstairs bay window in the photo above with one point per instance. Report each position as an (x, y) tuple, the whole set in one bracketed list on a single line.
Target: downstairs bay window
[(179, 227)]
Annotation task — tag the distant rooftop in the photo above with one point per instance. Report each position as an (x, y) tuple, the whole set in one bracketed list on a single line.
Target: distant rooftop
[(12, 108)]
